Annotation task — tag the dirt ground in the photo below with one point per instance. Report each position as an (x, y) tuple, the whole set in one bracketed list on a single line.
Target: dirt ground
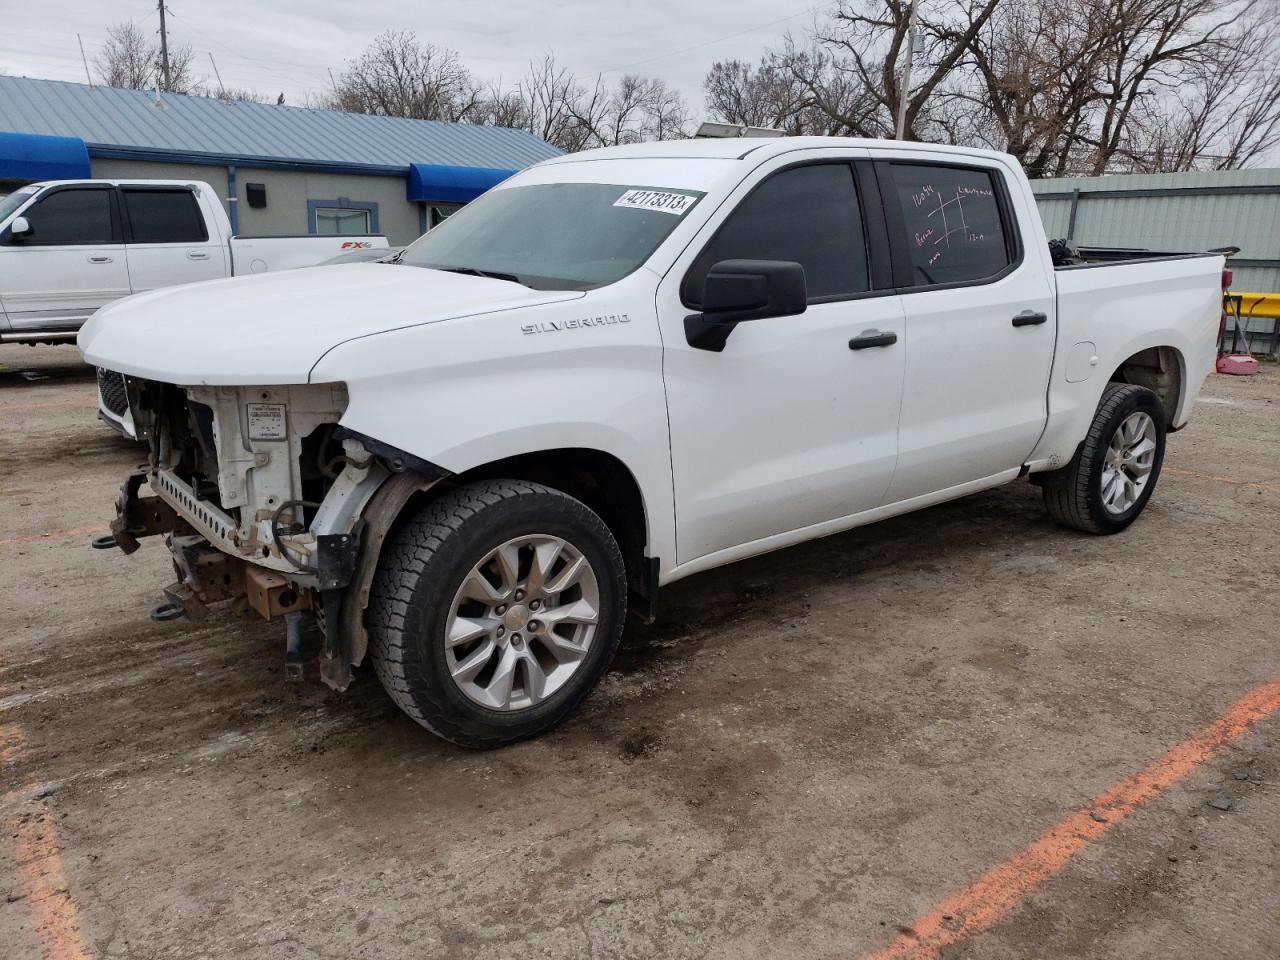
[(806, 753)]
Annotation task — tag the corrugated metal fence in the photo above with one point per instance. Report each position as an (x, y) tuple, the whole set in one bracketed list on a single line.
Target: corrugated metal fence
[(1175, 211)]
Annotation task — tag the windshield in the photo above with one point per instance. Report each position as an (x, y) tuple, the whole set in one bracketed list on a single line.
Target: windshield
[(555, 236), (14, 200)]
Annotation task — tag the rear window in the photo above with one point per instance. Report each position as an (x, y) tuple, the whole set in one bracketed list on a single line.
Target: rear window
[(164, 216), (955, 231)]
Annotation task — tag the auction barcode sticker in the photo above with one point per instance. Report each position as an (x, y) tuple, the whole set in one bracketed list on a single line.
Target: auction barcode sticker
[(676, 203)]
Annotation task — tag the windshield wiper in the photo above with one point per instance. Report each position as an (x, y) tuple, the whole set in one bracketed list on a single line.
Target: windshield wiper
[(492, 275)]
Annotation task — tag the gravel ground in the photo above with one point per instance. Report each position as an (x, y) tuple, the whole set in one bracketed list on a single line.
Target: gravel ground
[(805, 753)]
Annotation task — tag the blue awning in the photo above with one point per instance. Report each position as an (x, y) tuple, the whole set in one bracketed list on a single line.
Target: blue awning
[(30, 156), (446, 184)]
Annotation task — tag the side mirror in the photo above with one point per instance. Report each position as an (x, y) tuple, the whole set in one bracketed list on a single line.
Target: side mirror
[(20, 228), (739, 290)]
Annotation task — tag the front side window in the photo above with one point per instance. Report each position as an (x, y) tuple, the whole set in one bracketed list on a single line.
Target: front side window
[(164, 216), (14, 200), (70, 217), (555, 236), (341, 222), (808, 215), (952, 218)]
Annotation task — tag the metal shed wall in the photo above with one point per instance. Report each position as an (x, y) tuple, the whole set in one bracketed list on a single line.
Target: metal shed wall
[(1174, 211)]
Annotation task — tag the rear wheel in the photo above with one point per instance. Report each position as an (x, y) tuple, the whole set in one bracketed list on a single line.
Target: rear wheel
[(1112, 476), (495, 610)]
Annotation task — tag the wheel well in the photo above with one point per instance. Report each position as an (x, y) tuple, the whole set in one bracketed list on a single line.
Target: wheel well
[(1159, 369), (604, 484)]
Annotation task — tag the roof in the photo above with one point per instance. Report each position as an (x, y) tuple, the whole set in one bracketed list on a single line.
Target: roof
[(735, 148), (141, 124)]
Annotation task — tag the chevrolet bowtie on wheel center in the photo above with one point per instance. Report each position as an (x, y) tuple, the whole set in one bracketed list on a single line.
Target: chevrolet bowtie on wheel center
[(622, 367)]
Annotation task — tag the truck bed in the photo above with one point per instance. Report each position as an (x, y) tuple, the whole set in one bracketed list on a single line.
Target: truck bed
[(1070, 257)]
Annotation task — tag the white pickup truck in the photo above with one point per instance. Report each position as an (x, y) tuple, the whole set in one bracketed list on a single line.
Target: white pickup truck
[(623, 367), (69, 247)]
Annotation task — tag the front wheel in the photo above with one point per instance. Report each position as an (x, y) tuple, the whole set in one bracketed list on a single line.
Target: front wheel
[(1111, 478), (495, 610)]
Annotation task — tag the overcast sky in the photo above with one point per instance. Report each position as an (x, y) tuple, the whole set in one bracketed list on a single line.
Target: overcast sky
[(288, 45)]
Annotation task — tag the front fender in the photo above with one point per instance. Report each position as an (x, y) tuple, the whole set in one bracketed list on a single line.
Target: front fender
[(470, 391)]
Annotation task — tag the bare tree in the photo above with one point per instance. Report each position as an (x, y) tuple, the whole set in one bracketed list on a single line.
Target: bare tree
[(551, 99), (130, 58), (499, 106), (769, 94), (636, 109), (399, 76), (233, 94), (1070, 86), (866, 41), (551, 102)]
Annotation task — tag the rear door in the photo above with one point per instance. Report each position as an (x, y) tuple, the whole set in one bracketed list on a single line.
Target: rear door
[(168, 238), (70, 264), (979, 324)]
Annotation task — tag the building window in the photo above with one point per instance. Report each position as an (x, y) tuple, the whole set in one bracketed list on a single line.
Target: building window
[(341, 217), (441, 212)]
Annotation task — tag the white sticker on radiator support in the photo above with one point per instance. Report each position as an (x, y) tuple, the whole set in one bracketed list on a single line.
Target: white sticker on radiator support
[(676, 203), (267, 422)]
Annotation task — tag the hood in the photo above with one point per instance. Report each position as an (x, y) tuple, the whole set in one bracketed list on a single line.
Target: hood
[(272, 328)]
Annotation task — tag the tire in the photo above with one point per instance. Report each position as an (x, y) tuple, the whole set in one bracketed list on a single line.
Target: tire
[(1077, 495), (449, 570)]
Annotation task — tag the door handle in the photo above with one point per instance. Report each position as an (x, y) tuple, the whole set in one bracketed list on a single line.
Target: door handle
[(873, 338), (101, 259), (1029, 318), (196, 255)]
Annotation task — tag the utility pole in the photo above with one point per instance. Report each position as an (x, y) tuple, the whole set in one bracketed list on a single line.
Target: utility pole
[(904, 88), (164, 49)]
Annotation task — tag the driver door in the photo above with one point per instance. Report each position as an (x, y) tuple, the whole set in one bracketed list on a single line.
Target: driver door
[(70, 264), (794, 424)]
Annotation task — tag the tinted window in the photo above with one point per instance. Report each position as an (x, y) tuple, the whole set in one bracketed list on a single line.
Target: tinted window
[(808, 215), (71, 216), (952, 217), (164, 216)]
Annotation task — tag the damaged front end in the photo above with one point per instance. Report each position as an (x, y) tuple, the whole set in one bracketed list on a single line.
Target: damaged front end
[(265, 501)]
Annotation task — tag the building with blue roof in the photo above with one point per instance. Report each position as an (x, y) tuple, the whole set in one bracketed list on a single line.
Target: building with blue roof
[(278, 169)]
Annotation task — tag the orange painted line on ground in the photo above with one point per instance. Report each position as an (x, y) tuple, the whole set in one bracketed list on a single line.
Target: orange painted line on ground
[(40, 875), (1251, 484), (54, 535), (986, 902), (18, 407), (44, 886)]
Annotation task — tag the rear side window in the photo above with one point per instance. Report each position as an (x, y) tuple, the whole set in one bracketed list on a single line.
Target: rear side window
[(952, 217), (809, 215), (71, 216), (164, 216)]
